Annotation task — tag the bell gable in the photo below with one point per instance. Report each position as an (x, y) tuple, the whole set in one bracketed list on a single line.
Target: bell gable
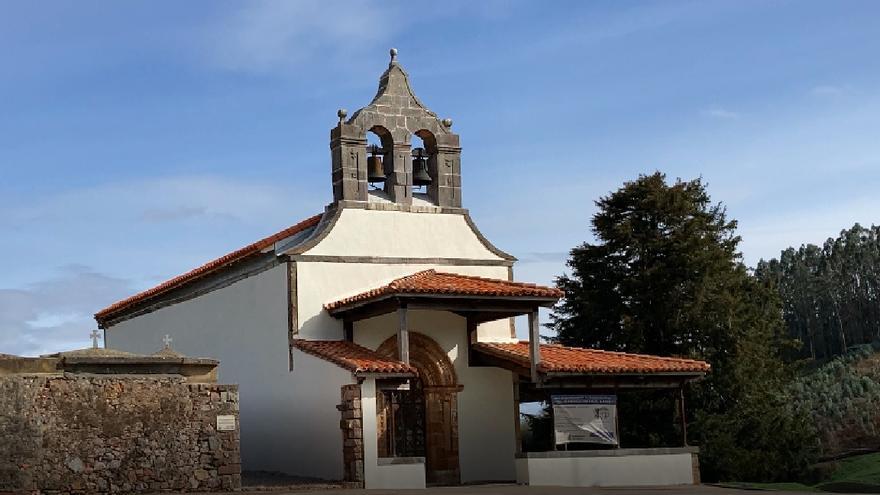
[(394, 168)]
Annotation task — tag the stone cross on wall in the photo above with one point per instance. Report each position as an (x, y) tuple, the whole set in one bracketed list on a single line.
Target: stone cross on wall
[(94, 335), (167, 341)]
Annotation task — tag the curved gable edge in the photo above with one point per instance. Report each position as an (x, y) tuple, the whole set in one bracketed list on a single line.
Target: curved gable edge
[(300, 244), (303, 242), (484, 241)]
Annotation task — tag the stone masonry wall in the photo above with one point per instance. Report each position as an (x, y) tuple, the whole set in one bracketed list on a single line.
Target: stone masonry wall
[(352, 434), (116, 434)]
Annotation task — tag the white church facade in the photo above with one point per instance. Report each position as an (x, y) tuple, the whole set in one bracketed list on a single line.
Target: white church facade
[(374, 342)]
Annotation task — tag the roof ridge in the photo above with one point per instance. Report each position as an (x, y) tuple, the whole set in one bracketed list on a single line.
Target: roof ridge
[(395, 284), (496, 280), (208, 267)]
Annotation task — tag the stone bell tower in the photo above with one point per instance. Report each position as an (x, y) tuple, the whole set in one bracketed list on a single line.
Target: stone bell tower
[(395, 115)]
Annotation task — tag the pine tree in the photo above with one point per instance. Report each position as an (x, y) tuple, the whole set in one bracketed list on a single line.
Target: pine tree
[(664, 276)]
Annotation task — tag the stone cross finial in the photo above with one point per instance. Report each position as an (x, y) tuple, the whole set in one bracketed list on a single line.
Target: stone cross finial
[(167, 341), (94, 335)]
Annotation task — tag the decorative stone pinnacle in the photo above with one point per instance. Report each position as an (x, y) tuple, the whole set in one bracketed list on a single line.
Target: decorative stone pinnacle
[(447, 122), (167, 341), (393, 53), (94, 335), (341, 113)]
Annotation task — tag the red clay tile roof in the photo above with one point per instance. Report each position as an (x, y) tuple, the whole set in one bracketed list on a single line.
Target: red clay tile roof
[(434, 282), (353, 357), (207, 268), (561, 359)]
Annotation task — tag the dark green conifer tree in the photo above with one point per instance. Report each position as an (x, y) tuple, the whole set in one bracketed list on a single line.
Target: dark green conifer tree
[(664, 276)]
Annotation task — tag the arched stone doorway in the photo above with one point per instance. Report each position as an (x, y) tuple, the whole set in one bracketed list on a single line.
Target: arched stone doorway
[(440, 387)]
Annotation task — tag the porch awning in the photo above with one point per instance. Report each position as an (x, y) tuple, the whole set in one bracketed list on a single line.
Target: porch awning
[(492, 298), (357, 359), (563, 363)]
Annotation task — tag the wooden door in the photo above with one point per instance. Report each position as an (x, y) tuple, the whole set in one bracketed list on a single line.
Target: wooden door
[(441, 431)]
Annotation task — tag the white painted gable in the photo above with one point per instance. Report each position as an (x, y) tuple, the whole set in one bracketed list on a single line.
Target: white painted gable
[(401, 234)]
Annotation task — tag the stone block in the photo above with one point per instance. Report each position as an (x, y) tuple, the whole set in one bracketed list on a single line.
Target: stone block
[(229, 469)]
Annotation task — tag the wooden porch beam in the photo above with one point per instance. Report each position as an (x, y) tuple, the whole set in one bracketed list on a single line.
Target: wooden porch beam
[(471, 339), (348, 330), (495, 307), (402, 334), (551, 381), (534, 345), (684, 424)]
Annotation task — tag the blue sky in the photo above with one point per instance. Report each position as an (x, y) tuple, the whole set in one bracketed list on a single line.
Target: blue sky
[(139, 140)]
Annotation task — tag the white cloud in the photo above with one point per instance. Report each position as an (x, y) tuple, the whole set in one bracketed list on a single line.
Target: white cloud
[(118, 238), (55, 314), (269, 36), (720, 113), (829, 90), (163, 199), (50, 320)]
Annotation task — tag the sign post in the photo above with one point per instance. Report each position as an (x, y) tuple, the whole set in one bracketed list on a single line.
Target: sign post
[(585, 419)]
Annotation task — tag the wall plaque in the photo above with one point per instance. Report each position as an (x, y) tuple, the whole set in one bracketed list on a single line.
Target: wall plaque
[(226, 422)]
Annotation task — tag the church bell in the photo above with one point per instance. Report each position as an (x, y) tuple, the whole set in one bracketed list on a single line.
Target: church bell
[(420, 167), (375, 168)]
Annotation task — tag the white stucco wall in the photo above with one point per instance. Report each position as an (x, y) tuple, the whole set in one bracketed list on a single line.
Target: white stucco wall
[(486, 433), (619, 470), (319, 283), (289, 421), (393, 476), (360, 232)]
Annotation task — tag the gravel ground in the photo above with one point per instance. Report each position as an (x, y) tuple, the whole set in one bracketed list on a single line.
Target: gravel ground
[(261, 481), (494, 489)]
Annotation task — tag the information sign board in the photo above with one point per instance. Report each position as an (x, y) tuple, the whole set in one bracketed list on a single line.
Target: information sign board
[(585, 419)]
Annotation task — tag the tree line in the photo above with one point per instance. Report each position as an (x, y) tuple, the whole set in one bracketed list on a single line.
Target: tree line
[(830, 294)]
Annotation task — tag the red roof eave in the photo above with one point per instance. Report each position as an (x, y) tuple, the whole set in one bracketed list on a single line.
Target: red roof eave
[(353, 357), (575, 360), (432, 282), (204, 270)]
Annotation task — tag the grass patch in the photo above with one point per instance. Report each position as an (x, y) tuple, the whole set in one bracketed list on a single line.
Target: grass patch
[(857, 474), (860, 469)]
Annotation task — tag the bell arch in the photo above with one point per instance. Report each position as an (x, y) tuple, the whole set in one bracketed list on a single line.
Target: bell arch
[(380, 148), (428, 142), (384, 135)]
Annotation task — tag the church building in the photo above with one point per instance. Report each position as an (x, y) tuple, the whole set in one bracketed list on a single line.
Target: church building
[(374, 342)]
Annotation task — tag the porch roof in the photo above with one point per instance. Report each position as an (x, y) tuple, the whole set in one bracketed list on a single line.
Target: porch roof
[(355, 358), (557, 360), (450, 290)]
